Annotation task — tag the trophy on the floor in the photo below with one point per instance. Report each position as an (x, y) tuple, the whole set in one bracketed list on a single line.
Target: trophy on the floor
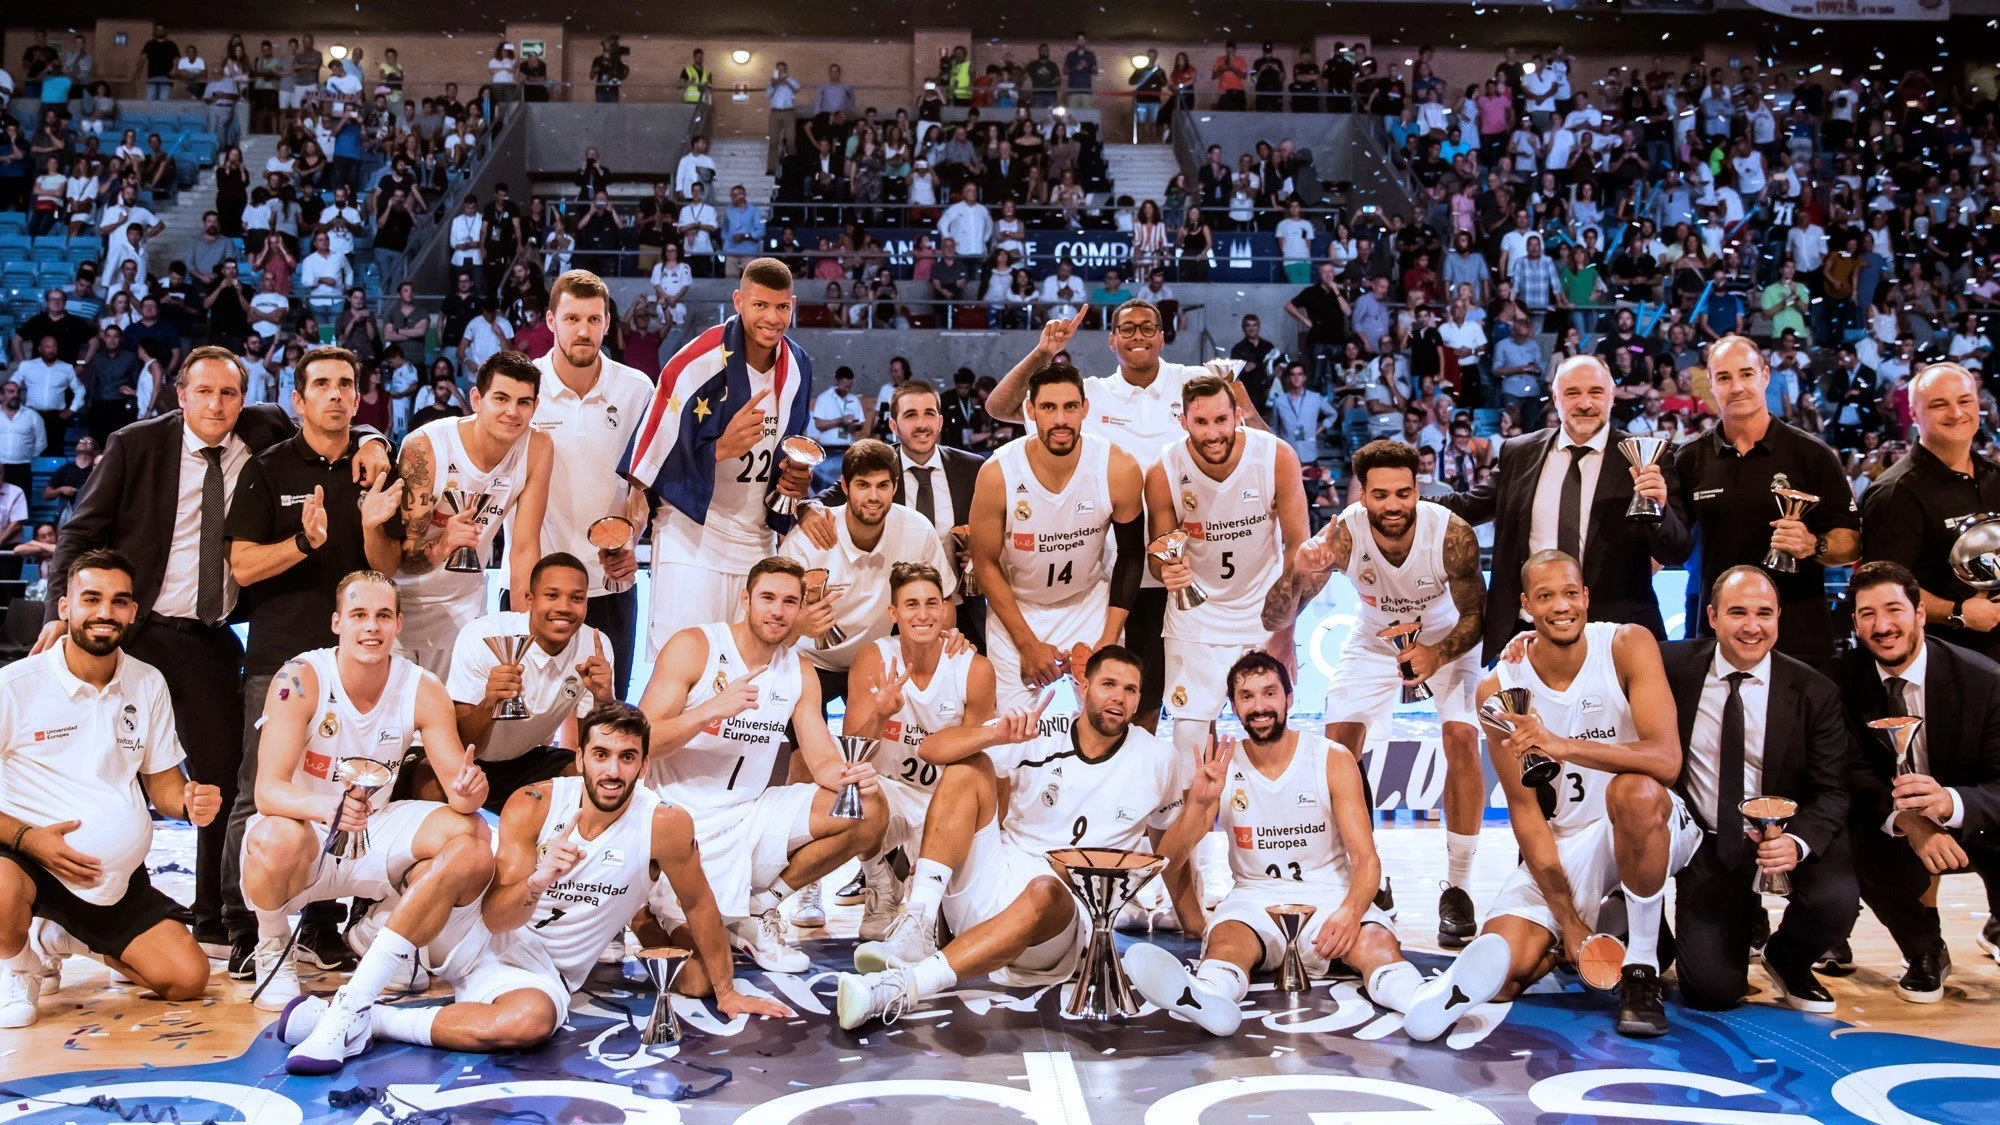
[(795, 450), (1643, 452), (612, 533), (463, 560), (1501, 709), (1103, 881), (1792, 505), (1168, 548), (1402, 636), (1901, 732), (509, 650), (847, 803), (663, 964), (1600, 961), (1291, 920), (816, 591), (1760, 815), (366, 777)]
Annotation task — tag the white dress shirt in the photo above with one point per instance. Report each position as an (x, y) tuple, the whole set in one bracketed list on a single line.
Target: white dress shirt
[(22, 436), (180, 586), (1704, 756), (946, 517), (1546, 513), (862, 612), (50, 386), (1920, 759), (968, 224), (472, 229)]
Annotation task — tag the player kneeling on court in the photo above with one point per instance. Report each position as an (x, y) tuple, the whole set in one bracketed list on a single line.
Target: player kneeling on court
[(86, 742), (1609, 821), (328, 709), (577, 857), (1299, 832), (1095, 782)]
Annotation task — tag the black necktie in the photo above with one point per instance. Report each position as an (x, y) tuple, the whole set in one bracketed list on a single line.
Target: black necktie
[(1899, 705), (1731, 845), (926, 495), (1569, 517), (209, 592)]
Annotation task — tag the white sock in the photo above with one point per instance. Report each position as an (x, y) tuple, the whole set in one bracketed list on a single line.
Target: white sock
[(1642, 926), (272, 924), (1394, 985), (769, 898), (388, 959), (877, 873), (404, 1025), (1458, 853), (1225, 978), (55, 942), (932, 975), (27, 961), (927, 886)]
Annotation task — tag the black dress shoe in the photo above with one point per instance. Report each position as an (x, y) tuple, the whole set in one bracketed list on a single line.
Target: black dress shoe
[(325, 947), (1797, 987), (1923, 981), (213, 938), (1760, 930), (1836, 962), (242, 958), (1385, 899), (1989, 936), (850, 895), (1642, 1013), (1456, 925)]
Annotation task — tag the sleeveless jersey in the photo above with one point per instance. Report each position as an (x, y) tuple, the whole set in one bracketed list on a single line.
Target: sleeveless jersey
[(339, 730), (1419, 589), (453, 469), (1054, 545), (1232, 527), (1593, 707), (577, 916), (736, 534), (938, 705), (1281, 831), (730, 761), (1058, 800)]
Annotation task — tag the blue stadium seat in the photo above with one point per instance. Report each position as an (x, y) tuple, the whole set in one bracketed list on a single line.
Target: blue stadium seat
[(48, 248), (13, 222), (83, 250), (13, 247), (1485, 421)]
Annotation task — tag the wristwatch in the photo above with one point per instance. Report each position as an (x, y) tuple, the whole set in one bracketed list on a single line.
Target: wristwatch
[(1819, 546), (302, 543), (1957, 618)]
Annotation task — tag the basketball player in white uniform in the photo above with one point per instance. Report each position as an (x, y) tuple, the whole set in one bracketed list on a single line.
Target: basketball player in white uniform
[(1612, 823), (720, 700), (1410, 561), (577, 856), (358, 700), (1040, 516), (907, 690), (1238, 495), (494, 456), (1096, 782), (1299, 831)]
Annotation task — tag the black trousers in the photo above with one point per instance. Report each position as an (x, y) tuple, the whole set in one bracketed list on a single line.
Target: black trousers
[(617, 617), (56, 429), (1145, 627), (970, 619), (19, 474), (203, 667), (1894, 884), (109, 416), (1716, 907)]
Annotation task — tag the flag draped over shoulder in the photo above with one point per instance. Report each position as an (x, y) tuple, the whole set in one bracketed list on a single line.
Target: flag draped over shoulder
[(672, 453)]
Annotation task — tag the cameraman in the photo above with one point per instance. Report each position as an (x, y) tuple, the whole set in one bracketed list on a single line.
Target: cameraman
[(609, 70)]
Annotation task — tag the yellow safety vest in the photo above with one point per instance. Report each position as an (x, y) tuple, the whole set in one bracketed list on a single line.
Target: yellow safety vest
[(697, 80)]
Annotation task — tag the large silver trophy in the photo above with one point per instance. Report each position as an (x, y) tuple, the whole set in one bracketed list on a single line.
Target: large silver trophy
[(663, 964), (847, 803), (1975, 556), (1643, 452), (816, 591), (612, 533), (1901, 733), (1402, 636), (510, 650), (463, 560), (1501, 709), (364, 777), (1760, 815), (1792, 505), (797, 450), (1103, 881), (1291, 920), (1168, 548)]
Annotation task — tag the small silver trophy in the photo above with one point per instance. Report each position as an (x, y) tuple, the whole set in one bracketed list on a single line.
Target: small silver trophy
[(463, 560), (816, 591), (1600, 961), (663, 964), (612, 533), (1643, 452), (1291, 920), (1402, 636), (1225, 368), (1169, 547), (961, 560), (1901, 733), (1500, 709), (796, 450), (1975, 555), (1103, 881), (1760, 815), (509, 650), (847, 803), (366, 777), (1792, 505)]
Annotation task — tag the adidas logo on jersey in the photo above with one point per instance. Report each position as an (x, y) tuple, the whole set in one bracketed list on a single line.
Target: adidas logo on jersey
[(1020, 489)]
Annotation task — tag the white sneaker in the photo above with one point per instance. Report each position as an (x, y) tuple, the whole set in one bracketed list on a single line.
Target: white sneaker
[(879, 898), (285, 986), (417, 980), (1476, 976), (809, 912), (338, 1035), (866, 997), (763, 939), (50, 973), (297, 1020), (614, 953), (906, 942), (1160, 977), (20, 998)]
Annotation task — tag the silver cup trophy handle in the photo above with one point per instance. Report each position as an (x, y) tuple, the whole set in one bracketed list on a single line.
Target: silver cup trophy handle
[(1760, 815), (847, 803), (509, 650), (1643, 452)]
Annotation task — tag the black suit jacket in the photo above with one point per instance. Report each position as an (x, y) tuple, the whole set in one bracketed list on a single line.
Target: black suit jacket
[(961, 473), (1617, 551), (1961, 732), (1808, 750)]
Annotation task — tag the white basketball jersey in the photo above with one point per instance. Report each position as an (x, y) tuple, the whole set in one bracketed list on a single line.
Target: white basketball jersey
[(1418, 590), (1059, 800), (939, 704), (736, 533), (1593, 707), (453, 469), (1233, 547), (1282, 831), (730, 761), (340, 730), (1055, 544), (577, 916)]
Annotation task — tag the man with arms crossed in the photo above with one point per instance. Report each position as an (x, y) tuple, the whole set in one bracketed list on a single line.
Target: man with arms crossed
[(494, 457), (87, 736), (577, 856), (1410, 561), (720, 700)]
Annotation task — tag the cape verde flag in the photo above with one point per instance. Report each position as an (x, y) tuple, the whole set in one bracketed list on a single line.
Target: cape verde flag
[(672, 453)]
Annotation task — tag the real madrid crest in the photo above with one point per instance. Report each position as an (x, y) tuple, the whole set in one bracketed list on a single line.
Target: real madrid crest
[(721, 681), (1240, 801), (1187, 499), (1367, 576), (1049, 795), (1021, 510), (1180, 696), (329, 726), (570, 688)]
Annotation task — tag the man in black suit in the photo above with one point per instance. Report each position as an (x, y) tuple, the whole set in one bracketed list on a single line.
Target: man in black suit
[(1758, 723), (160, 495), (1940, 811), (1567, 489)]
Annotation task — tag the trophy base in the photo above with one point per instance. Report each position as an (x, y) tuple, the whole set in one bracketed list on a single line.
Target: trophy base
[(1781, 563), (1643, 515), (1417, 693), (1538, 769), (506, 714), (1778, 885), (783, 505), (847, 804), (1099, 990)]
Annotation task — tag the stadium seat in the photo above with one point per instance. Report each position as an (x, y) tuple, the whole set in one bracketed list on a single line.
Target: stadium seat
[(13, 222), (1485, 421), (83, 250), (13, 247)]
